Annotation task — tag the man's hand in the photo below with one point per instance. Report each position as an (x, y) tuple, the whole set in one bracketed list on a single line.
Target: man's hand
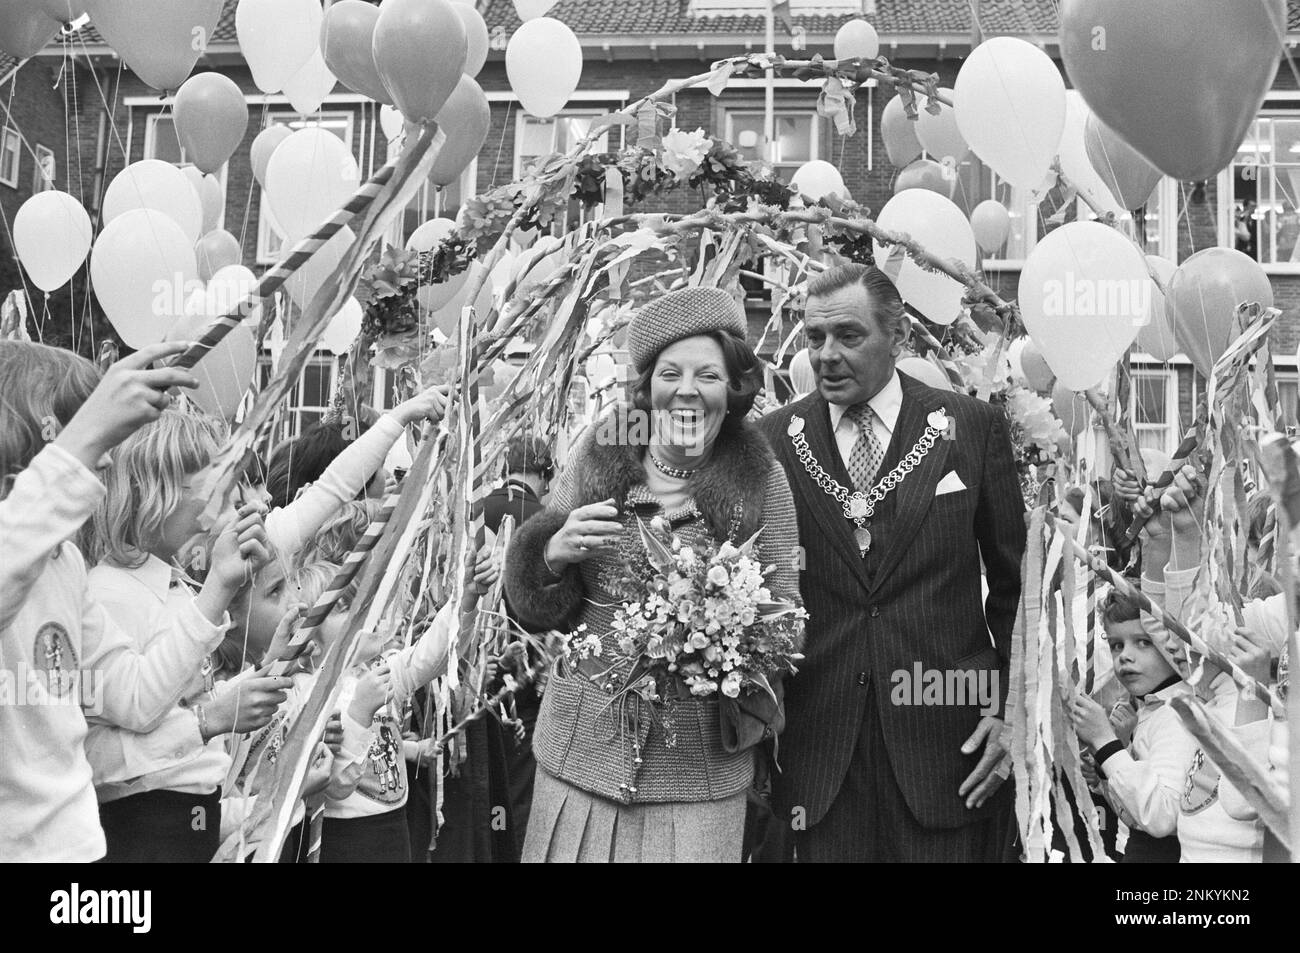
[(984, 780)]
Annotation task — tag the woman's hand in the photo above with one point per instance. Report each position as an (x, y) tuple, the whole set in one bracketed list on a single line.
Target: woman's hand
[(430, 405), (373, 691), (589, 530), (128, 397)]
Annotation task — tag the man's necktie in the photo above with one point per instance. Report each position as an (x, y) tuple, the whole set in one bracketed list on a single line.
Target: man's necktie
[(868, 454)]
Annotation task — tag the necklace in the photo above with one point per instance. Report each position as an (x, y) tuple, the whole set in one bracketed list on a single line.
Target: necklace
[(859, 506), (677, 472)]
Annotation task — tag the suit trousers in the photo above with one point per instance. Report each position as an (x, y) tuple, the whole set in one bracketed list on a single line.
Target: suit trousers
[(869, 820)]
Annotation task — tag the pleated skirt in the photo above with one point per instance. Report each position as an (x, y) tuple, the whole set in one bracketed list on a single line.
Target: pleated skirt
[(568, 825)]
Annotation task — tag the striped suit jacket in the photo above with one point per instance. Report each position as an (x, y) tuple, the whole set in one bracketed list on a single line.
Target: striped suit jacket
[(914, 600)]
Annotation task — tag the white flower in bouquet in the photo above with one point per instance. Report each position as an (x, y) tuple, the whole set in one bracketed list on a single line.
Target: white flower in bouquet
[(731, 684), (718, 575), (684, 152)]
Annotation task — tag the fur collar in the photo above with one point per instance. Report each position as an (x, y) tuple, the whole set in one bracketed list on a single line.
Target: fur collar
[(737, 473)]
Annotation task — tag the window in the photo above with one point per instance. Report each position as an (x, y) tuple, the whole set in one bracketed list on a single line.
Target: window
[(308, 401), (11, 145), (1288, 395), (796, 133), (1260, 193), (1154, 409), (537, 138), (161, 142), (269, 240), (46, 170)]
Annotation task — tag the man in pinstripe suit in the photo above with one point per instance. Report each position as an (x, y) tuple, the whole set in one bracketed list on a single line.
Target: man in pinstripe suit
[(872, 769)]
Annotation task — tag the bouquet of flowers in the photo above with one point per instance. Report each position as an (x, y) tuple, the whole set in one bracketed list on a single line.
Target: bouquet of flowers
[(701, 613)]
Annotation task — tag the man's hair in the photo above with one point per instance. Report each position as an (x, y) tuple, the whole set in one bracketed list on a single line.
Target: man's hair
[(886, 302), (529, 455)]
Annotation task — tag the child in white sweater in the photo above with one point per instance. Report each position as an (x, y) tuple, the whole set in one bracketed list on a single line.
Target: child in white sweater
[(61, 421)]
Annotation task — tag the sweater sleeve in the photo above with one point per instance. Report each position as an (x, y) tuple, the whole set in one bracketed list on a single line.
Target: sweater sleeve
[(290, 527), (778, 545), (1146, 792), (417, 665), (49, 501)]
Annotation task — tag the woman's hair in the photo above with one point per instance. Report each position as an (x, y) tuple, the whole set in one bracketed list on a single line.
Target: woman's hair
[(339, 535), (1119, 607), (744, 378), (41, 390), (298, 462), (306, 584), (144, 482)]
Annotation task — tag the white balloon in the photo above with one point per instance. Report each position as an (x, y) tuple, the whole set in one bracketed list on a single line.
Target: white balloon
[(143, 271), (310, 176), (308, 87), (391, 121), (343, 328), (857, 38), (1074, 156), (228, 289), (428, 236), (476, 36), (991, 224), (1010, 102), (434, 297), (532, 9), (225, 372), (817, 179), (160, 186), (922, 370), (277, 38), (52, 234), (544, 65), (307, 280), (1156, 336), (938, 226), (264, 146)]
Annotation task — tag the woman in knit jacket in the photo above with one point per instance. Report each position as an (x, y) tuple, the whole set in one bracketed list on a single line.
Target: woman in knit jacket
[(660, 780)]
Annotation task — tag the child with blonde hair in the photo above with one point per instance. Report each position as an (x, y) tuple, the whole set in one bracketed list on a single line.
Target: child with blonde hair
[(61, 421)]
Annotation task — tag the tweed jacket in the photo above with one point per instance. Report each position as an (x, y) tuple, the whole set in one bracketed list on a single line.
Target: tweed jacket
[(677, 753), (915, 600)]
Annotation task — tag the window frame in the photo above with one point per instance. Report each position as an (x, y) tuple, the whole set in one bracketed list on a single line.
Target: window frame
[(40, 181), (151, 141), (730, 111), (7, 136), (1278, 105), (1170, 427), (568, 112)]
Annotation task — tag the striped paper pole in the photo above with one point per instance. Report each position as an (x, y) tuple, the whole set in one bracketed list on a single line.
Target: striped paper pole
[(274, 279), (940, 353), (1089, 666), (315, 824)]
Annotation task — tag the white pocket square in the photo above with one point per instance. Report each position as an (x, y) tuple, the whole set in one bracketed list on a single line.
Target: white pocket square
[(951, 483)]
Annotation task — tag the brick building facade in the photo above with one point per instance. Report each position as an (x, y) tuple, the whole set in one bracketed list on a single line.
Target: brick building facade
[(633, 47)]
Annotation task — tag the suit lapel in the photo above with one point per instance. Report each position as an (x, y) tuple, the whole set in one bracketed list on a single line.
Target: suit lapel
[(912, 497), (828, 512)]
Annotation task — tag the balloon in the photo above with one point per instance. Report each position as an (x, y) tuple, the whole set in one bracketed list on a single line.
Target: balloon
[(434, 297), (857, 39), (941, 228), (213, 200), (308, 179), (308, 87), (160, 40), (926, 174), (142, 268), (1073, 409), (1186, 114), (211, 119), (939, 135), (1037, 374), (899, 134), (1010, 102), (532, 9), (347, 41), (465, 118), (391, 121), (225, 372), (215, 251), (802, 378), (544, 65), (1203, 297), (1084, 292), (24, 30), (1073, 156), (343, 328), (157, 185), (430, 234), (818, 179), (446, 317), (922, 370), (991, 224), (307, 280), (264, 146), (1128, 176), (228, 289), (476, 37), (52, 235), (64, 11), (420, 51), (1156, 336), (277, 38)]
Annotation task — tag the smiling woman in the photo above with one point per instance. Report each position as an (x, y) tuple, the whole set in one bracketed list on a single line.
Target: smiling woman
[(663, 774)]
